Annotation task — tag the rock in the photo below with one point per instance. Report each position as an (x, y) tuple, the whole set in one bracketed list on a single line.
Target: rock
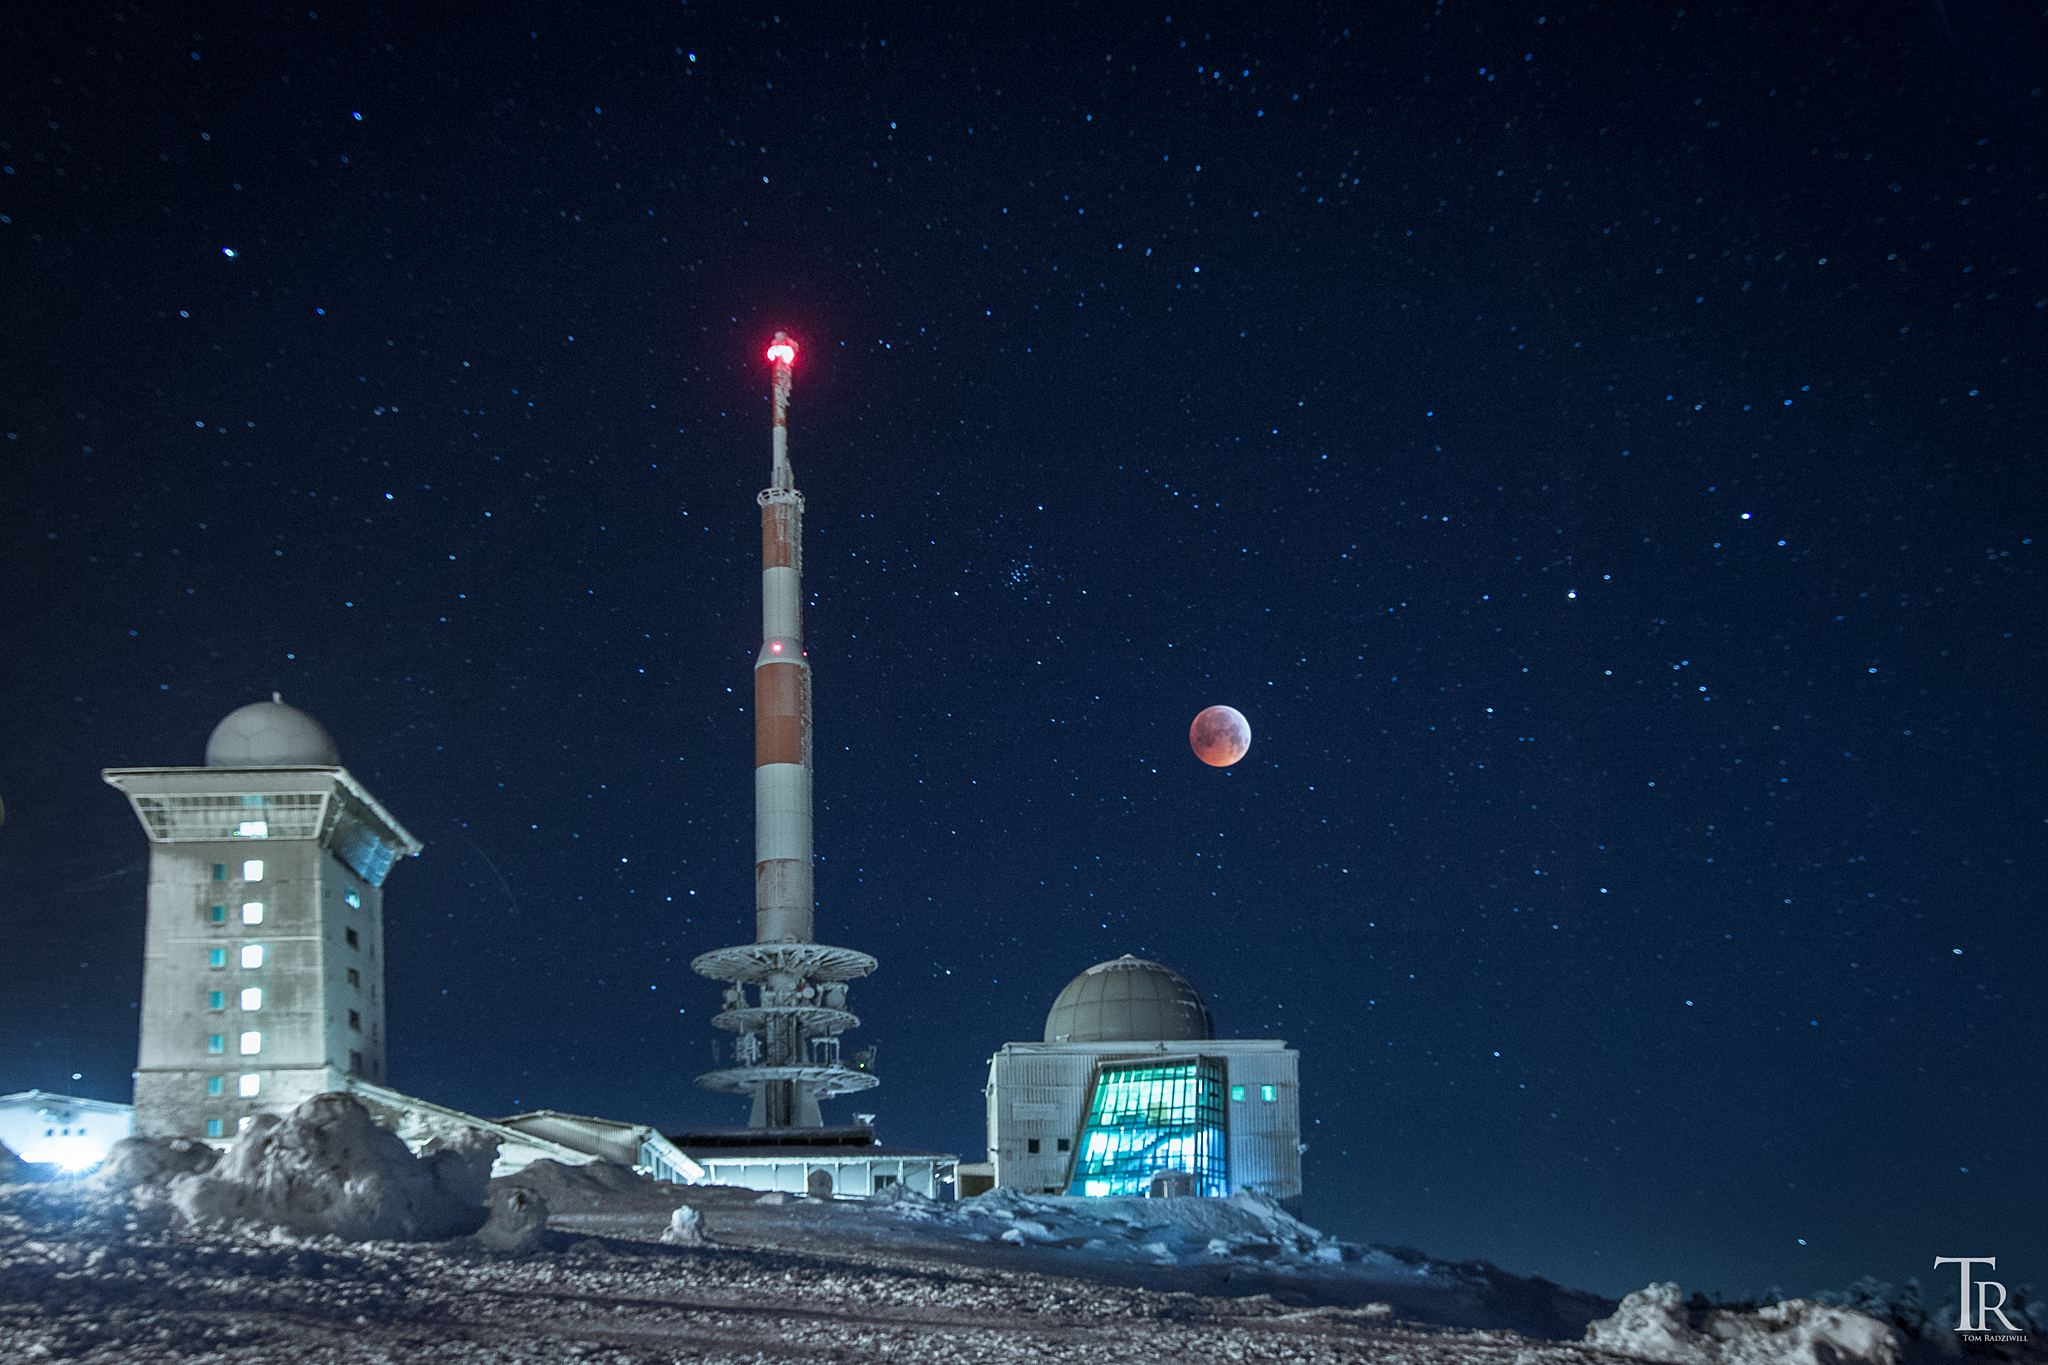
[(151, 1161), (1652, 1323), (685, 1229), (327, 1169), (518, 1219)]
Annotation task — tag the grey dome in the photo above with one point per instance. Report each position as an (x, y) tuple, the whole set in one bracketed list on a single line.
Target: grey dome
[(269, 734), (1128, 1000)]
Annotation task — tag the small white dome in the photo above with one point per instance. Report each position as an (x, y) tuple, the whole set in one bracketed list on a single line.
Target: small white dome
[(270, 734)]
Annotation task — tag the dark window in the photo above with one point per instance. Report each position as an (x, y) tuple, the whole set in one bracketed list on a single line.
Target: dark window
[(355, 1021), (353, 941), (220, 872), (218, 914), (1031, 1146), (1066, 1144), (354, 978), (355, 1063)]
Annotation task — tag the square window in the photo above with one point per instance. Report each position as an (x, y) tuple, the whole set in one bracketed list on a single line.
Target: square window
[(220, 872), (1031, 1146), (216, 1042), (1266, 1093), (355, 902), (216, 1000), (252, 912), (252, 955), (251, 1084), (213, 1085), (1237, 1092), (1066, 1144), (252, 871), (253, 829), (252, 1043), (353, 941), (213, 1128), (355, 978), (216, 957), (355, 1021), (217, 914), (252, 998)]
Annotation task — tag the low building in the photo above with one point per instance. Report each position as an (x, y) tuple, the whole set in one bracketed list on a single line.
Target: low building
[(1131, 1093), (62, 1130), (846, 1161)]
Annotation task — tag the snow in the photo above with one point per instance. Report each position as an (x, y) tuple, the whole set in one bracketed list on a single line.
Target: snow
[(326, 1168), (1653, 1323)]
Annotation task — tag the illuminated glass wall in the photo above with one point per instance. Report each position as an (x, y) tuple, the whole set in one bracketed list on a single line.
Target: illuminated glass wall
[(1147, 1117)]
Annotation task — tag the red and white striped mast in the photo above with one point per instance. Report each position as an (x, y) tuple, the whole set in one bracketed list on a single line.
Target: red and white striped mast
[(787, 997)]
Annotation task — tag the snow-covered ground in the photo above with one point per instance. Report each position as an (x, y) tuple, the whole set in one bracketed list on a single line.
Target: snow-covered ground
[(269, 1255)]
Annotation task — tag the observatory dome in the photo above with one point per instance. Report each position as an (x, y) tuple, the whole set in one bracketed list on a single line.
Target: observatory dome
[(1128, 1000), (270, 734)]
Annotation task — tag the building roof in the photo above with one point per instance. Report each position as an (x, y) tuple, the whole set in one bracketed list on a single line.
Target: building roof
[(44, 1099), (1128, 1000)]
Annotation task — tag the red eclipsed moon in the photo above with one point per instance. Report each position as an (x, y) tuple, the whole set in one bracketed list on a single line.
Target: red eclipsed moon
[(1220, 736)]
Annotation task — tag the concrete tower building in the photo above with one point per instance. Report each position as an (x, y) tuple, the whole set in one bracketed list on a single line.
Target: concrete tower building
[(263, 980), (786, 997)]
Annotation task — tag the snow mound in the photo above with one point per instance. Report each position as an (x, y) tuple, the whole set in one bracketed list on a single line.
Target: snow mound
[(1653, 1323), (518, 1219), (905, 1202), (600, 1186), (151, 1161), (1246, 1226), (327, 1169), (685, 1229)]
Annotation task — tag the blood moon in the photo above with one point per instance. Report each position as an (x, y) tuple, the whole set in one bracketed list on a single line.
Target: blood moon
[(1220, 736)]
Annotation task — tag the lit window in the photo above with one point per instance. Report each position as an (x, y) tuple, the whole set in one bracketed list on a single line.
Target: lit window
[(252, 912), (252, 998), (252, 871), (354, 979), (355, 1021), (251, 1083), (213, 1085), (220, 872), (216, 957), (213, 1128), (253, 829), (216, 1000), (252, 1043), (355, 902), (252, 955), (1237, 1092), (218, 914), (216, 1042), (353, 941), (1266, 1093), (1145, 1117), (242, 1123)]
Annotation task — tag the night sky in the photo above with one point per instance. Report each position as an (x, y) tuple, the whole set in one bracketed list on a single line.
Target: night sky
[(1598, 447)]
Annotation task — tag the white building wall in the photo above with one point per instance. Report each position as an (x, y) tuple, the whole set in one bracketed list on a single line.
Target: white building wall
[(1040, 1091)]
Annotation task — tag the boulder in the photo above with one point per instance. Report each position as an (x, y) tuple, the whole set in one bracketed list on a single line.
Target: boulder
[(518, 1219), (685, 1229), (137, 1161), (1653, 1323)]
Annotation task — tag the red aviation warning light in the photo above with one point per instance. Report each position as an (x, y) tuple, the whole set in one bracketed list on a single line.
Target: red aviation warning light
[(782, 351)]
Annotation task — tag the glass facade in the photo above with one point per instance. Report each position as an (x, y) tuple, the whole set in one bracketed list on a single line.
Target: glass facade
[(1147, 1117)]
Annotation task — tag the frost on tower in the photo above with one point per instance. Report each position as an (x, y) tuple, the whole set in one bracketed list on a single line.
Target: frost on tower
[(786, 997), (263, 981)]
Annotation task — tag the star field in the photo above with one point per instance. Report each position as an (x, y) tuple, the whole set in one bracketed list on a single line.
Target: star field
[(1596, 447)]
